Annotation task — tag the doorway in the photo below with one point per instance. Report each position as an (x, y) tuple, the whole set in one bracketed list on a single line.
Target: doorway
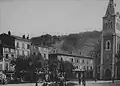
[(108, 74)]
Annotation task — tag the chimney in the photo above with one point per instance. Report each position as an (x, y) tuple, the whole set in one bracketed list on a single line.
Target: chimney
[(27, 37), (9, 33), (23, 36)]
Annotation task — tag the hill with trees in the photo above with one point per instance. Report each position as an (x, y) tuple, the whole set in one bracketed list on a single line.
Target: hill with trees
[(79, 43)]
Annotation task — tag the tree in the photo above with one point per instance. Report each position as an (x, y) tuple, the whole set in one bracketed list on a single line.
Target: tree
[(96, 55), (21, 65), (37, 61), (27, 65)]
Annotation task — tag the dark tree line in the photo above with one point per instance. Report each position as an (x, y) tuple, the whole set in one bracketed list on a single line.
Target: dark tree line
[(63, 67), (45, 40), (26, 66)]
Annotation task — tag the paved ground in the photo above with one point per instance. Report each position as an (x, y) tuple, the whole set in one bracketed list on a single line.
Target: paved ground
[(100, 83), (89, 83)]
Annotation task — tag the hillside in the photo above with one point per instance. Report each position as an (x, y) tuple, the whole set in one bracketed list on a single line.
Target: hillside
[(80, 43)]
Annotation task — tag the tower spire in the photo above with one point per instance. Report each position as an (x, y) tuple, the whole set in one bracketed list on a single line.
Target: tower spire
[(110, 8)]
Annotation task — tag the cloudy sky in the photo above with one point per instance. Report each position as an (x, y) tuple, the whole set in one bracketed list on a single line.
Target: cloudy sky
[(55, 17)]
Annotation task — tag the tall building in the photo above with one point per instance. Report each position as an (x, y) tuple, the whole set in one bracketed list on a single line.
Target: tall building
[(22, 45), (11, 47), (110, 42), (7, 52), (44, 51)]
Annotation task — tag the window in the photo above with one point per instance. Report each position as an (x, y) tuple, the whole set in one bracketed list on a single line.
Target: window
[(23, 53), (12, 56), (80, 53), (12, 50), (6, 56), (109, 24), (17, 45), (77, 67), (6, 49), (91, 68), (44, 55), (83, 61), (34, 53), (9, 50), (77, 61), (28, 46), (108, 45), (61, 59), (23, 45), (71, 59)]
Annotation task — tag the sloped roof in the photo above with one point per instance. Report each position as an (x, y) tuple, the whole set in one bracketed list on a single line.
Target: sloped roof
[(8, 46), (20, 38), (17, 37)]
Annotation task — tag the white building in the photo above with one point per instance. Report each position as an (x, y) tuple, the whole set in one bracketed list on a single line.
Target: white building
[(44, 51)]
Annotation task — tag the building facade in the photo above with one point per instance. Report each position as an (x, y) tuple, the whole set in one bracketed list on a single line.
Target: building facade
[(7, 52), (110, 42), (80, 63), (22, 46), (11, 47), (34, 49), (44, 51)]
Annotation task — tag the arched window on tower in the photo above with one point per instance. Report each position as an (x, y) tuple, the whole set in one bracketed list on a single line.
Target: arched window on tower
[(108, 45)]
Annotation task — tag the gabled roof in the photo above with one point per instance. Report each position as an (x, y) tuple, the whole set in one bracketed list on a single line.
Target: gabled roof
[(20, 38), (17, 37), (8, 46)]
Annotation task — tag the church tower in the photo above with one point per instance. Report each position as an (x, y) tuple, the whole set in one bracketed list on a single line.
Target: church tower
[(110, 42)]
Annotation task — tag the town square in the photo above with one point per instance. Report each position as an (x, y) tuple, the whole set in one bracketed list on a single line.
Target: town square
[(41, 43)]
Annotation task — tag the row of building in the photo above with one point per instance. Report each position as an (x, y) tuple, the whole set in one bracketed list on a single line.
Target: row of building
[(12, 46)]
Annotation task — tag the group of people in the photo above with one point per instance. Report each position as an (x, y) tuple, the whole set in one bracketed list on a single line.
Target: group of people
[(3, 78), (82, 80), (59, 81)]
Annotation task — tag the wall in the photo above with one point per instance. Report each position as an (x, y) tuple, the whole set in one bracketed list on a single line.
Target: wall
[(20, 50)]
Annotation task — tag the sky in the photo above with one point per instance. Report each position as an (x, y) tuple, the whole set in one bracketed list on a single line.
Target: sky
[(55, 17)]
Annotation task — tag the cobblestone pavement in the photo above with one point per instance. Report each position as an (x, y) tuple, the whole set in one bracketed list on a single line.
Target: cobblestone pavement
[(74, 83)]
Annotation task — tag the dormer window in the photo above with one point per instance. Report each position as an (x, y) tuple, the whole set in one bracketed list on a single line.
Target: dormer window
[(108, 45)]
